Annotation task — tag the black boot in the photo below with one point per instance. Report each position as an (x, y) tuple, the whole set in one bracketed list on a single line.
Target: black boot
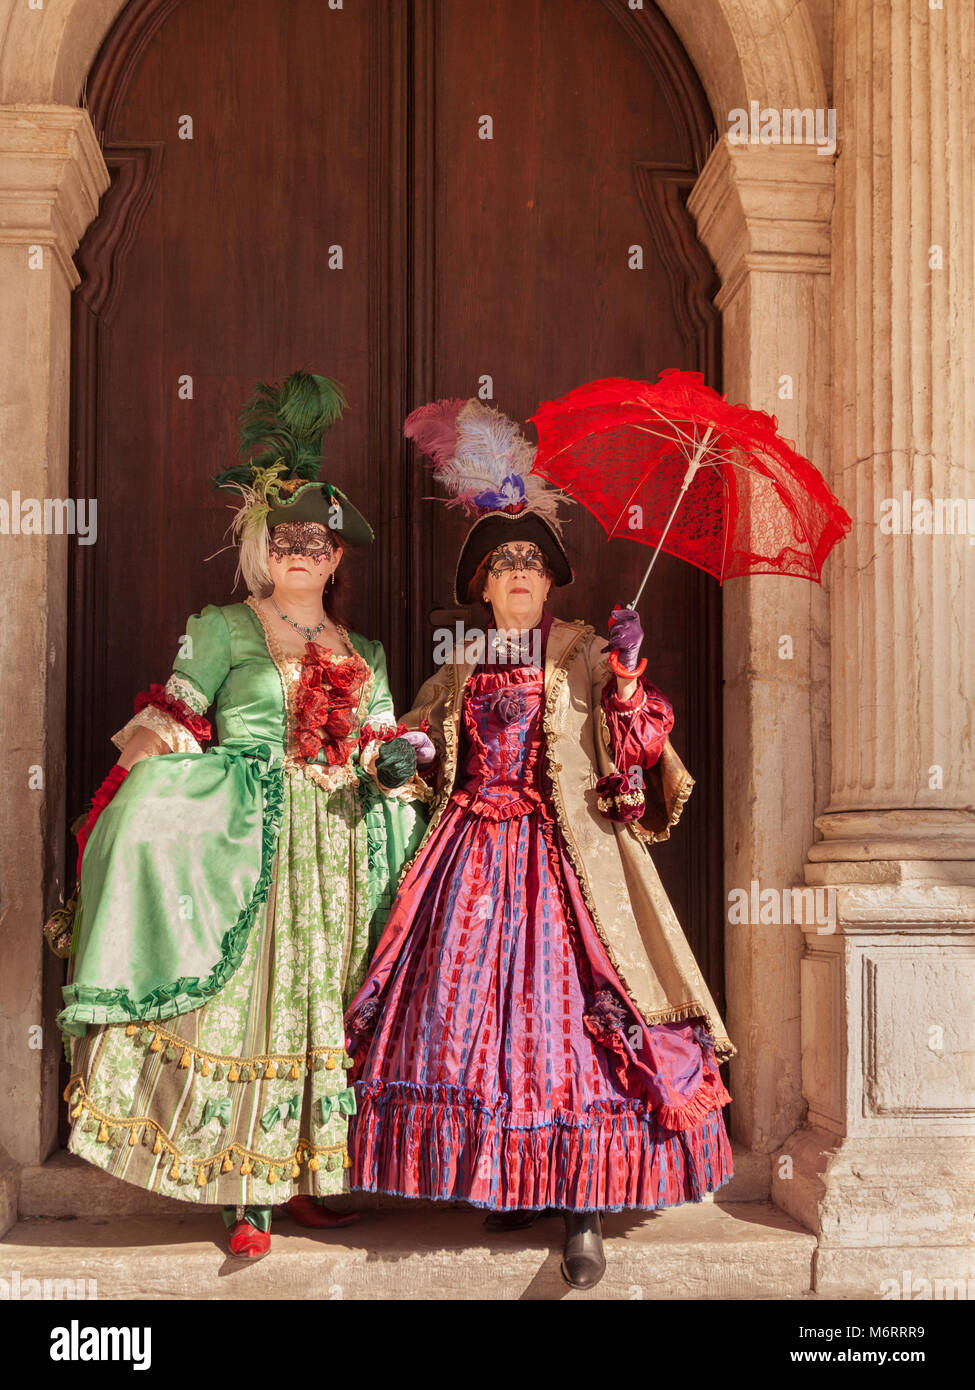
[(583, 1261)]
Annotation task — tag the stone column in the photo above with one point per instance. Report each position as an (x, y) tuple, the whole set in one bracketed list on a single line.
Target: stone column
[(51, 178), (885, 1169), (763, 212)]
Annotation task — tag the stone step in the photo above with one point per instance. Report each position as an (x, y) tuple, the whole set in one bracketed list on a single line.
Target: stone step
[(745, 1250), (66, 1186)]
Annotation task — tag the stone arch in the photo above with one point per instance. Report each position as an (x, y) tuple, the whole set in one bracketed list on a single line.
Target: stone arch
[(744, 50)]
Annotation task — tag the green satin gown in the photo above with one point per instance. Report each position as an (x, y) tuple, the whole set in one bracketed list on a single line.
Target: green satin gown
[(229, 903)]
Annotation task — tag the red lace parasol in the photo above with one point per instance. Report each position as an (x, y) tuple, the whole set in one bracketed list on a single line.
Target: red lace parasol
[(633, 451)]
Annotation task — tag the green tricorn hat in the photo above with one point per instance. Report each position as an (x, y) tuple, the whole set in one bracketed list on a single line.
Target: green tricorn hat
[(282, 428), (322, 502)]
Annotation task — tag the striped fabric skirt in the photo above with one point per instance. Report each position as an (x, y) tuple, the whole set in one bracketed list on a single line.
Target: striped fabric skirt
[(498, 1060)]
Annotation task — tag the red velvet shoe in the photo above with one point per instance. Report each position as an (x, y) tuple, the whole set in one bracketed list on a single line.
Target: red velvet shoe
[(308, 1212), (247, 1242)]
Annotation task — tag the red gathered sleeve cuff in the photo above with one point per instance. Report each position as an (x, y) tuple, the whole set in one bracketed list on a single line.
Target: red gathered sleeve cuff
[(638, 727), (156, 695)]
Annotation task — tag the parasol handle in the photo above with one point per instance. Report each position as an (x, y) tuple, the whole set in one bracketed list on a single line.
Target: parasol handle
[(693, 465)]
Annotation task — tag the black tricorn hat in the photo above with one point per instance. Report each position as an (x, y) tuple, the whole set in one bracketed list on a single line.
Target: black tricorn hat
[(500, 528)]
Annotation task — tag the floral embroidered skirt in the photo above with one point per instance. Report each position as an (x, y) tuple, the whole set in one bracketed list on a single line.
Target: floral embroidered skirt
[(498, 1059), (245, 1100)]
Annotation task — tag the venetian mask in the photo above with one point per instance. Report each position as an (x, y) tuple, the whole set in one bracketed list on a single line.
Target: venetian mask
[(519, 555), (309, 538)]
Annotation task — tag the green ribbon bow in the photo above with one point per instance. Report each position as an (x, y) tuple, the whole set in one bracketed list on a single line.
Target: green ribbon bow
[(277, 1113), (219, 1109), (344, 1102)]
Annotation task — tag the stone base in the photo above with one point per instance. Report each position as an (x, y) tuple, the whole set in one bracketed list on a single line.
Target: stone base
[(699, 1251), (888, 1212), (908, 1273), (80, 1223)]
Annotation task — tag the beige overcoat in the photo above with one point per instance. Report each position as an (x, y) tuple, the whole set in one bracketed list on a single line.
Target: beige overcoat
[(620, 883)]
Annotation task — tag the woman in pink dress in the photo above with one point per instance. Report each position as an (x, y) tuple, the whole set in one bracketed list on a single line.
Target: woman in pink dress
[(533, 1031)]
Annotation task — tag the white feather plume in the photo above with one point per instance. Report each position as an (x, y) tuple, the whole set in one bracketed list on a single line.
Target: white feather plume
[(490, 452)]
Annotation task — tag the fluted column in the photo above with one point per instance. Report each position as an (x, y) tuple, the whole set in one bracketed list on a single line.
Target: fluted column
[(883, 1166), (903, 605)]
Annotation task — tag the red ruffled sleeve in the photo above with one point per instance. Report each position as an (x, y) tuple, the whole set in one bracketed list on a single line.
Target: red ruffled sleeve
[(638, 727), (156, 696)]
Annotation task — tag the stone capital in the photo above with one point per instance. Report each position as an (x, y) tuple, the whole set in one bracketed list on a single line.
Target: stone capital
[(52, 176), (764, 208)]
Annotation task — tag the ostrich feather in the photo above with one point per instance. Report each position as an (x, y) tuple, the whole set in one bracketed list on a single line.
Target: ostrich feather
[(490, 445), (433, 428), (477, 452)]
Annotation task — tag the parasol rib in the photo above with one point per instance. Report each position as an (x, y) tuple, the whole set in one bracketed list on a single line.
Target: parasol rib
[(692, 468)]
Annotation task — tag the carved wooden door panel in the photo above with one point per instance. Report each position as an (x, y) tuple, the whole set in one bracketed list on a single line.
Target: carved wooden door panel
[(417, 199)]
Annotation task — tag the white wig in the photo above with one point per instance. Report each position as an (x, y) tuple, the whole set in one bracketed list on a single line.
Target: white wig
[(253, 564)]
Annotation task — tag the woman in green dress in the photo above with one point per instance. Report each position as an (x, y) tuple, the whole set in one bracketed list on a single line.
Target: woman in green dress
[(229, 900)]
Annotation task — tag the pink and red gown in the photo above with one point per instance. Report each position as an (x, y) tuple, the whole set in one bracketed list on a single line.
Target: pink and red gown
[(497, 1058)]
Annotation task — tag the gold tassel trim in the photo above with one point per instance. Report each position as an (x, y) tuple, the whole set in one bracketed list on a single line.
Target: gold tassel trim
[(241, 1068), (141, 1126)]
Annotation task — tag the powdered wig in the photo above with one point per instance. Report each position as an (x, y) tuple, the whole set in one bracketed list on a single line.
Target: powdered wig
[(253, 565)]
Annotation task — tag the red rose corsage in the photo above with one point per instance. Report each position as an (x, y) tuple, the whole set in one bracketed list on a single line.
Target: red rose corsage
[(326, 701)]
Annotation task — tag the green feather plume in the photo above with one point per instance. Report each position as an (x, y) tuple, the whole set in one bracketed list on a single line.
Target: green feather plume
[(284, 425), (309, 405)]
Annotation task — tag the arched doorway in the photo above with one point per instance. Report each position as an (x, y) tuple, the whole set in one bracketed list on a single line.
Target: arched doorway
[(413, 199)]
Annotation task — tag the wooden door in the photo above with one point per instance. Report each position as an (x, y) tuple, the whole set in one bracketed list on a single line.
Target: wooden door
[(296, 185)]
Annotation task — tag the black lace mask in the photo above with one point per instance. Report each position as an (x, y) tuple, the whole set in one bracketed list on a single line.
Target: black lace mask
[(308, 538)]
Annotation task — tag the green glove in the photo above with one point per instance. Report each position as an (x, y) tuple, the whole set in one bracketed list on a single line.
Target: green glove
[(395, 763)]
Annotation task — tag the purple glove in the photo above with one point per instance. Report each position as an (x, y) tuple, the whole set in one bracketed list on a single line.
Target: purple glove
[(421, 745), (625, 636)]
